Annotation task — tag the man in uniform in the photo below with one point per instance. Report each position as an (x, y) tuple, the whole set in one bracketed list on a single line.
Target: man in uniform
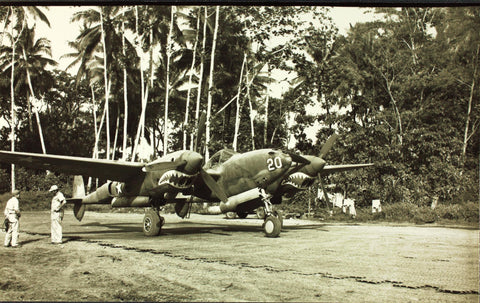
[(12, 213), (58, 201)]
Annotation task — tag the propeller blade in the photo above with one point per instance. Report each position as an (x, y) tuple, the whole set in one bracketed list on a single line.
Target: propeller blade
[(328, 145), (327, 199), (299, 159), (200, 130), (214, 187)]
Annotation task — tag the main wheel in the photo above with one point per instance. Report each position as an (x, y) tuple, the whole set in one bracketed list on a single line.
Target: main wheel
[(242, 215), (279, 215), (272, 227), (152, 223)]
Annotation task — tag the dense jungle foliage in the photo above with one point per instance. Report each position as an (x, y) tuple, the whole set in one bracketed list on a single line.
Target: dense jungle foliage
[(402, 91)]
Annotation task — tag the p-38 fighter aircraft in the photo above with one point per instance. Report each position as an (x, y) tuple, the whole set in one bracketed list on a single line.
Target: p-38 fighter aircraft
[(240, 182)]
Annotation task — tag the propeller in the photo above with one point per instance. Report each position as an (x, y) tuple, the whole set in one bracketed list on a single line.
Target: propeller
[(323, 152), (327, 199), (207, 179), (328, 145), (213, 185)]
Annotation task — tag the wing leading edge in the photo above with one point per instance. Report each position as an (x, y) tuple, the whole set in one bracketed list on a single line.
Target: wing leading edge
[(99, 168), (329, 169)]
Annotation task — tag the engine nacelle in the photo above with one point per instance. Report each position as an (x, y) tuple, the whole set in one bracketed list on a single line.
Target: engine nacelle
[(132, 201), (234, 201), (105, 193)]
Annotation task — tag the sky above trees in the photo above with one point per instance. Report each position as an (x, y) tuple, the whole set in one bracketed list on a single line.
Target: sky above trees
[(61, 30)]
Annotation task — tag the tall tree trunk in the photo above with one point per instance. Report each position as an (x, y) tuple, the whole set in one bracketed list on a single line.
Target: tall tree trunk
[(29, 110), (192, 70), (469, 107), (95, 148), (117, 126), (167, 83), (200, 80), (125, 95), (32, 95), (141, 122), (252, 129), (210, 84), (107, 85), (12, 94), (95, 151), (239, 104), (267, 101), (388, 86)]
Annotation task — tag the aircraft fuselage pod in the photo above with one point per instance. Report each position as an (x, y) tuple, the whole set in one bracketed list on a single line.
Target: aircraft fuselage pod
[(254, 170)]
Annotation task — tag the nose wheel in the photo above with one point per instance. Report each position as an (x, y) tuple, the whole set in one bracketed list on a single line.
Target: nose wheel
[(272, 226), (152, 223)]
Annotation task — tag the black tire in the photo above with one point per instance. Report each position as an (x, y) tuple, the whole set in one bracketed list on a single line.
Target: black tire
[(242, 215), (279, 216), (272, 227), (152, 224)]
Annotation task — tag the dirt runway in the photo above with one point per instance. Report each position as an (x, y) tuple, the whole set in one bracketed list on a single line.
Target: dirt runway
[(208, 258)]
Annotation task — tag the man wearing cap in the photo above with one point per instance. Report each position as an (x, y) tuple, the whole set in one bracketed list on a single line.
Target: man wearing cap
[(12, 213), (58, 201)]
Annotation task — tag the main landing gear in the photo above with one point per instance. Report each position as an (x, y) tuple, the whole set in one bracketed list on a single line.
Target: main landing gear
[(152, 222), (273, 223)]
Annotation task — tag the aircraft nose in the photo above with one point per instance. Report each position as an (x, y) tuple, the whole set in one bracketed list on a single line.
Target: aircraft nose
[(194, 162), (317, 164)]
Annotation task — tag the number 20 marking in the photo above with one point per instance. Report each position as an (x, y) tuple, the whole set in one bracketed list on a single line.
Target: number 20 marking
[(274, 163)]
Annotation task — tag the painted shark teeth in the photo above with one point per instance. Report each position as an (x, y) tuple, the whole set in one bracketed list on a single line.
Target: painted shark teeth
[(299, 180), (177, 179)]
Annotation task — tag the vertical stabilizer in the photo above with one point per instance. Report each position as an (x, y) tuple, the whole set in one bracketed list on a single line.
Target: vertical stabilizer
[(78, 190)]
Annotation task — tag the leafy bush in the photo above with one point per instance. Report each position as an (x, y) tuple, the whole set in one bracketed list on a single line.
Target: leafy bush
[(468, 212)]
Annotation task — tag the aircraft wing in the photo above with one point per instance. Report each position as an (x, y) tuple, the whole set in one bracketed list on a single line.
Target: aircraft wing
[(99, 168), (329, 169)]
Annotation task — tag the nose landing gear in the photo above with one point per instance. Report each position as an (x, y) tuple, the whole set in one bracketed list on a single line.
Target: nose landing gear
[(273, 223)]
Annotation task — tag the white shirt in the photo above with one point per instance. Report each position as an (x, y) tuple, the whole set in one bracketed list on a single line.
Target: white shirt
[(57, 202), (12, 206)]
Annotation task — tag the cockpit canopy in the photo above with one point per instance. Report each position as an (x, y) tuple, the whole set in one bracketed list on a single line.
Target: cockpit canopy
[(220, 157)]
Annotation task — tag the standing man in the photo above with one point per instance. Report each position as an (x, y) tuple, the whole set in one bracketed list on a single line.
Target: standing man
[(58, 201), (12, 213)]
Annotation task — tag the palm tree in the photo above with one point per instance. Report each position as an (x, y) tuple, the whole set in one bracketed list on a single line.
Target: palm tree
[(100, 33), (202, 64), (167, 82), (31, 64), (190, 76), (15, 19), (210, 83)]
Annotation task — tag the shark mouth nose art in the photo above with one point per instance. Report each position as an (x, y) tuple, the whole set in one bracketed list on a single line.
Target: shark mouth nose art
[(299, 180), (177, 179)]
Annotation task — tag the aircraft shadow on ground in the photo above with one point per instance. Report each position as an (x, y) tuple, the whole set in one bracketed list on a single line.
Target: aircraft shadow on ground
[(184, 228)]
